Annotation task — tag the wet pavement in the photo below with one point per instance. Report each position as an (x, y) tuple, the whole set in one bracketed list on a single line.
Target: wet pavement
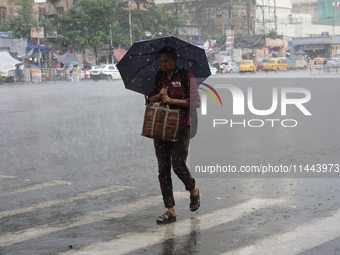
[(76, 176)]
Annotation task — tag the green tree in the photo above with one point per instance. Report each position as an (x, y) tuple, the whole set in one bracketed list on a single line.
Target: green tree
[(273, 34), (155, 20), (88, 23)]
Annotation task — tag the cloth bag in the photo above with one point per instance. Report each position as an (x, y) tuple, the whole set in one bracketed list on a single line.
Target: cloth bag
[(161, 122)]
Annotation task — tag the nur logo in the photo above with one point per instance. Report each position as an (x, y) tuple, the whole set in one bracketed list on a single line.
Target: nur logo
[(204, 98)]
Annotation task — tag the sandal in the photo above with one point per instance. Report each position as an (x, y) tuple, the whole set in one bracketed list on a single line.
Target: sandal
[(166, 220), (195, 200)]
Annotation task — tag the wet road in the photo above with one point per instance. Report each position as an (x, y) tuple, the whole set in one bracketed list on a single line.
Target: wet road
[(76, 177)]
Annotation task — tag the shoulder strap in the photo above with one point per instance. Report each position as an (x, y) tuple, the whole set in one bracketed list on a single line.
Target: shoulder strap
[(194, 119), (183, 73), (159, 75)]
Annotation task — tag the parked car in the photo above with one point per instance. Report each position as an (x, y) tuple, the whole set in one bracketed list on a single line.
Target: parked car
[(324, 60), (275, 64), (105, 72), (300, 62), (213, 70), (265, 60), (231, 67), (290, 63), (247, 66)]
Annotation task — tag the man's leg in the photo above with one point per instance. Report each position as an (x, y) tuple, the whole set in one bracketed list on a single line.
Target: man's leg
[(163, 150), (179, 157)]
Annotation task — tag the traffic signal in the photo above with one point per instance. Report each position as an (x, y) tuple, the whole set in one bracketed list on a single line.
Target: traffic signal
[(51, 16)]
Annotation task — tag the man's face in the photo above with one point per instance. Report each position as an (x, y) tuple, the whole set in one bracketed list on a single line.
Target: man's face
[(168, 62)]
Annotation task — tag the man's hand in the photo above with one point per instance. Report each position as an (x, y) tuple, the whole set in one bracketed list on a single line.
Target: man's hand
[(164, 91), (167, 100)]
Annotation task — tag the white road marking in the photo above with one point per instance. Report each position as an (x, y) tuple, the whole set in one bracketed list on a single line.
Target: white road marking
[(304, 237), (132, 241), (7, 177), (35, 187), (94, 193), (115, 212)]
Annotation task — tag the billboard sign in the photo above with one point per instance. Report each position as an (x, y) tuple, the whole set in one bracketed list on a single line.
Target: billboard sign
[(5, 34), (230, 41), (37, 32)]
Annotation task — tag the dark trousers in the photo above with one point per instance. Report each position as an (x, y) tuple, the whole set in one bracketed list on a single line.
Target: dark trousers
[(173, 154)]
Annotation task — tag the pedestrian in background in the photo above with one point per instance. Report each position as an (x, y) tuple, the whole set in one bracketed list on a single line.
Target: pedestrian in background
[(86, 73), (78, 73), (75, 73)]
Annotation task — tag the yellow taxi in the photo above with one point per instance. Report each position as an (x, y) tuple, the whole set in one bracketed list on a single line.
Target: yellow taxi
[(275, 65), (324, 60), (247, 66)]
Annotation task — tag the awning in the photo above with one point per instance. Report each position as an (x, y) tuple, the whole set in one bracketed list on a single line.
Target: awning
[(32, 45), (7, 63), (65, 59), (26, 55), (313, 47)]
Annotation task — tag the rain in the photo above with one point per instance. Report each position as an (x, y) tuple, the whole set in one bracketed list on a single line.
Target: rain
[(80, 174)]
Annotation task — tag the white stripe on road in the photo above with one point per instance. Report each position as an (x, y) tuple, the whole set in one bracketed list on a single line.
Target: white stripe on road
[(94, 193), (304, 237), (35, 187), (132, 241), (7, 177), (115, 212)]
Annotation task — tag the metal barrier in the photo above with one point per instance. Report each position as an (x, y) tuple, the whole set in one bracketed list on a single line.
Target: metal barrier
[(316, 69), (35, 75), (61, 74), (38, 75), (11, 76), (48, 74), (332, 69), (19, 75), (324, 69)]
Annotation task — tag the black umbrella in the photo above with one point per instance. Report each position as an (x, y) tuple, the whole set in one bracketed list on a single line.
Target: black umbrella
[(140, 64)]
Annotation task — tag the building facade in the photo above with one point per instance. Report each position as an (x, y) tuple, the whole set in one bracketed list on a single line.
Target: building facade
[(8, 9), (212, 17), (306, 7)]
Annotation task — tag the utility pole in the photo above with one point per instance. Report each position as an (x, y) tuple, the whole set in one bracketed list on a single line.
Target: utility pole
[(130, 22), (275, 14), (262, 8), (333, 19), (111, 44), (38, 30)]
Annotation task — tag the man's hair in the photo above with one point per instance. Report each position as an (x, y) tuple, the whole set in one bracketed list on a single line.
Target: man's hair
[(168, 50)]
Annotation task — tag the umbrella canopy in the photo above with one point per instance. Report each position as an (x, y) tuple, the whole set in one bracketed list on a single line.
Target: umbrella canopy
[(140, 64), (75, 62), (300, 52)]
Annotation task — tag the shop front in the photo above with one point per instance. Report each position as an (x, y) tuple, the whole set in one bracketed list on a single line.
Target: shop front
[(314, 46), (276, 47), (316, 50)]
